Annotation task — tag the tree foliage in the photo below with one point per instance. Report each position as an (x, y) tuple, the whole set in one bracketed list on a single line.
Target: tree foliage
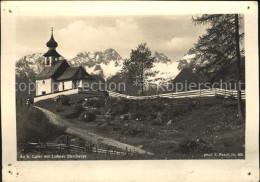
[(138, 67), (215, 51)]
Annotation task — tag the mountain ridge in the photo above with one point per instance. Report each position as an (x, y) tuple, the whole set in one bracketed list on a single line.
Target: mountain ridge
[(105, 63)]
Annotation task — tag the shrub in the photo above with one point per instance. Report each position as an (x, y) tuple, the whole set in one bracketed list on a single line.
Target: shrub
[(64, 100), (97, 112), (134, 130), (99, 103), (76, 111), (155, 105), (119, 109), (140, 115), (198, 146), (152, 116), (95, 102), (59, 110), (108, 120), (157, 122), (88, 116), (78, 108)]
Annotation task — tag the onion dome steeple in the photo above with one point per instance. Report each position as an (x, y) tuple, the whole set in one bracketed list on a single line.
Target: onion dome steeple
[(52, 43), (51, 55)]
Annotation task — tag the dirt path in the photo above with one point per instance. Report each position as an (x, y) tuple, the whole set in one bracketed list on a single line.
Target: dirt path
[(92, 137)]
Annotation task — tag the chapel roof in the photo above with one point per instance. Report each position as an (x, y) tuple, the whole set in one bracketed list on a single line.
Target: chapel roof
[(76, 73), (51, 52), (54, 71)]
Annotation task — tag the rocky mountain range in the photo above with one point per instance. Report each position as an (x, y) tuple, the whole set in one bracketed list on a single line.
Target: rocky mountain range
[(106, 64)]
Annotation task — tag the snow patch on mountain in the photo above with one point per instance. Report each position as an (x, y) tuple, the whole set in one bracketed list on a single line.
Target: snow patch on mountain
[(33, 62), (160, 57), (106, 64), (165, 72)]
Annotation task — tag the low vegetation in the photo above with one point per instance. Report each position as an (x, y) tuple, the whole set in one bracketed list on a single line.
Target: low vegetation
[(170, 128), (32, 126)]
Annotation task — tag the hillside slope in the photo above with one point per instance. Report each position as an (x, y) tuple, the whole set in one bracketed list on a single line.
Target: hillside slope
[(169, 128)]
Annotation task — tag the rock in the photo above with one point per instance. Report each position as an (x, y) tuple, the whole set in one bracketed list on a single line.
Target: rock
[(169, 122), (124, 117)]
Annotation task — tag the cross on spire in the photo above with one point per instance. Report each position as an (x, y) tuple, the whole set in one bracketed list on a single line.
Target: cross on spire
[(52, 43)]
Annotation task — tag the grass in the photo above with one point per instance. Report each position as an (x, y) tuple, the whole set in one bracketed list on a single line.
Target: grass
[(32, 126), (197, 126)]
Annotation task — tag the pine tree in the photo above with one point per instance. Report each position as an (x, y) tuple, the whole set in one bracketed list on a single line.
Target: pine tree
[(216, 50), (138, 67)]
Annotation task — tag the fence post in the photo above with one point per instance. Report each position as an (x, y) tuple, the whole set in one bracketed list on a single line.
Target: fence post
[(90, 148), (113, 151), (21, 102), (67, 141), (126, 151), (39, 142), (200, 92), (60, 149), (96, 149), (86, 148)]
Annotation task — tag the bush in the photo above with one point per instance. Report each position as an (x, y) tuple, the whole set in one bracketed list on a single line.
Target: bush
[(198, 146), (97, 112), (119, 109), (152, 116), (59, 110), (140, 115), (157, 122), (64, 100), (76, 111), (95, 102), (99, 103), (135, 131), (88, 116), (78, 108), (108, 119)]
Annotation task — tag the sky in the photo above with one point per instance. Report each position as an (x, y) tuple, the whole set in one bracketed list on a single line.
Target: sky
[(172, 35)]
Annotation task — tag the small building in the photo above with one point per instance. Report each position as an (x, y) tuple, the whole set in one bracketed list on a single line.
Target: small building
[(57, 74)]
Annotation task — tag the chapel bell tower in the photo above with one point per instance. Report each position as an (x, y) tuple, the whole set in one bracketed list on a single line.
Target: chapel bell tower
[(51, 55)]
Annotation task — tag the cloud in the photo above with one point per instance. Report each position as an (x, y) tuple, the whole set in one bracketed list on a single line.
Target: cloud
[(173, 36), (84, 36), (180, 43), (174, 48), (23, 50)]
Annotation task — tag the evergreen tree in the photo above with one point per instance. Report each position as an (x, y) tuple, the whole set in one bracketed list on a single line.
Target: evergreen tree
[(216, 50), (138, 67)]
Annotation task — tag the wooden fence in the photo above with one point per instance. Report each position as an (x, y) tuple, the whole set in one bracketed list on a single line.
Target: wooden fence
[(187, 94), (87, 149), (21, 102)]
